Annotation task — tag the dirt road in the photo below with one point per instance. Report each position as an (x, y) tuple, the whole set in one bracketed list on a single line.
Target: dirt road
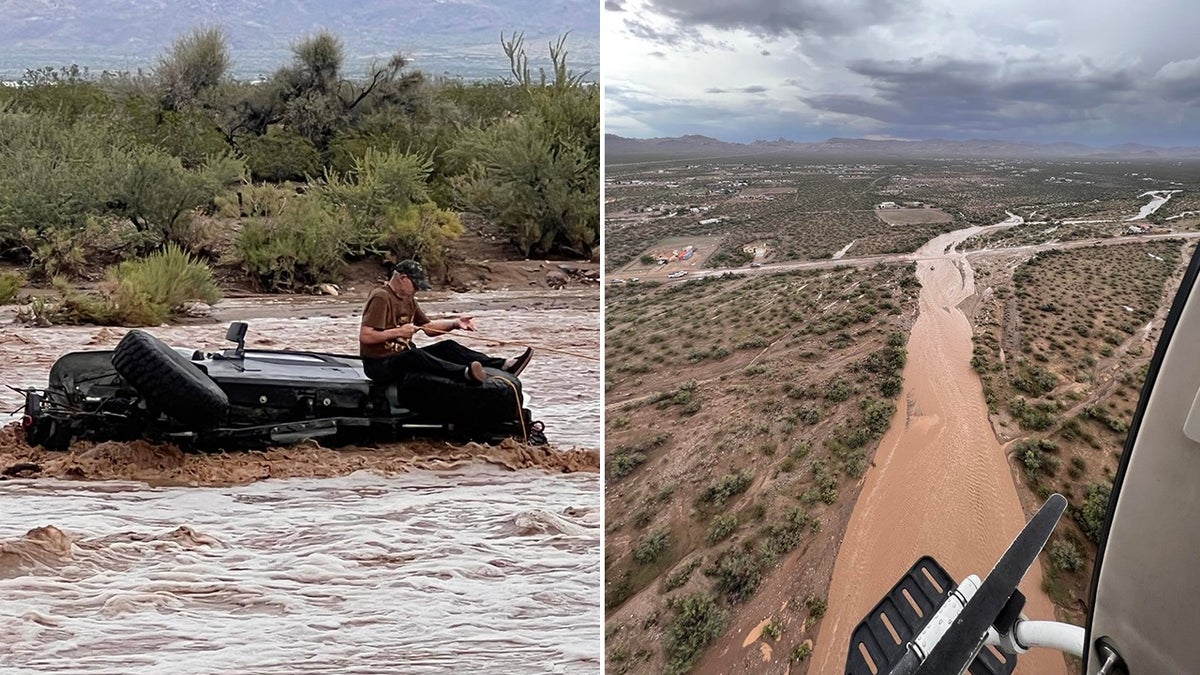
[(940, 484)]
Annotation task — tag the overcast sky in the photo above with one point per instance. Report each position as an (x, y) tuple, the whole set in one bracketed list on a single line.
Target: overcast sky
[(1099, 72)]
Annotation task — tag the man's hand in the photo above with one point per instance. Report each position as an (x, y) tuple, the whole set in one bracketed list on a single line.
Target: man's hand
[(403, 332), (465, 323)]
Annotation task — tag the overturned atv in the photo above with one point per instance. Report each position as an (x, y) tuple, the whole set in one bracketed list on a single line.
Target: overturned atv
[(240, 398)]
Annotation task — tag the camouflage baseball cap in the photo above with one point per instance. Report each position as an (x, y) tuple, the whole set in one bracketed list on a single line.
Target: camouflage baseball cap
[(413, 270)]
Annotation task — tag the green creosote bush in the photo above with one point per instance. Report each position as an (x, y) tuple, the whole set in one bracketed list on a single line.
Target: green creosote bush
[(1065, 556), (622, 464), (304, 245), (697, 622), (10, 285), (651, 548), (802, 651), (816, 606), (737, 572), (727, 487), (1091, 514), (722, 526)]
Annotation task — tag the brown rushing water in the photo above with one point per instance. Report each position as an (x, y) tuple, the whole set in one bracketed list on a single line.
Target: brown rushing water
[(940, 484), (437, 559)]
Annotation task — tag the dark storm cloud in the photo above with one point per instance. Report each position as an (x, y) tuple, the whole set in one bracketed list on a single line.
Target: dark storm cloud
[(983, 95), (754, 89), (614, 6), (1179, 81), (780, 17)]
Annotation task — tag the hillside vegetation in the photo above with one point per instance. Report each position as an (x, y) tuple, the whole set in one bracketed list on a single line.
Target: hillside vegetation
[(742, 413), (289, 177)]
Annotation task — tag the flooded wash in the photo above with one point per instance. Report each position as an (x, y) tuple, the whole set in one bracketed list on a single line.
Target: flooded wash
[(435, 559), (940, 484)]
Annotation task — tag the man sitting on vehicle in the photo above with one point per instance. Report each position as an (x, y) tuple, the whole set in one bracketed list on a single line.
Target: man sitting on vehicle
[(392, 317)]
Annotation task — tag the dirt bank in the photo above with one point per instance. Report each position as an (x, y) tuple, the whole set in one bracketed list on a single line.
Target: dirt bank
[(166, 464)]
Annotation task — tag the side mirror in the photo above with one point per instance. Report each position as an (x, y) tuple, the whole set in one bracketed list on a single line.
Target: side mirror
[(237, 333)]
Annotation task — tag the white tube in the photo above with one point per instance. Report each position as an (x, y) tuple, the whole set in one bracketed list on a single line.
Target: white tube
[(1053, 634)]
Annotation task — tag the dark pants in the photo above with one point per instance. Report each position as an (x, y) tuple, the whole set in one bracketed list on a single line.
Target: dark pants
[(446, 358)]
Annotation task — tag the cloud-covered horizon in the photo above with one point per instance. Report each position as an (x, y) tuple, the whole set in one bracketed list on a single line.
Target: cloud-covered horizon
[(1098, 72)]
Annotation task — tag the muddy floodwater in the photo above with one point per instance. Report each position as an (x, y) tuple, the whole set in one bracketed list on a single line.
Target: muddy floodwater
[(434, 559), (940, 484)]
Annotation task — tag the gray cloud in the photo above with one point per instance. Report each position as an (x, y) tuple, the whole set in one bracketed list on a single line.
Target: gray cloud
[(672, 36), (781, 17), (614, 5), (939, 92), (1080, 70)]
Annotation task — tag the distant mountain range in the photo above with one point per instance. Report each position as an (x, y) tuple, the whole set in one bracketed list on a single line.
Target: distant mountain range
[(460, 37), (619, 148)]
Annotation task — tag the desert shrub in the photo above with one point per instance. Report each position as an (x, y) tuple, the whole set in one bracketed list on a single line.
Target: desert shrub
[(148, 291), (773, 630), (728, 486), (537, 177), (279, 155), (1036, 416), (1035, 381), (816, 606), (158, 195), (304, 246), (837, 391), (1065, 556), (737, 573), (651, 548), (1091, 514), (255, 200), (802, 651), (623, 464), (722, 526), (697, 622), (388, 202), (10, 285), (877, 415)]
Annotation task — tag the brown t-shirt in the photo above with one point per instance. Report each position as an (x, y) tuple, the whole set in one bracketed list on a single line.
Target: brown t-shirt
[(386, 310)]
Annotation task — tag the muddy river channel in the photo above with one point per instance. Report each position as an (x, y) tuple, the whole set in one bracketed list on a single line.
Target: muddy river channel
[(417, 558), (940, 484)]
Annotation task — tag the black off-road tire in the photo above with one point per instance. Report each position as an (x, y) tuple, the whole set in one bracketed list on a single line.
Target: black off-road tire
[(169, 381)]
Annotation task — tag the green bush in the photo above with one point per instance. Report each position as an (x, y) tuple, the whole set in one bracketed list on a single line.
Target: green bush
[(1065, 556), (10, 285), (279, 156), (816, 606), (304, 246), (697, 622), (146, 292), (623, 464), (538, 176), (1092, 513), (729, 486), (737, 573), (722, 526), (651, 548)]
